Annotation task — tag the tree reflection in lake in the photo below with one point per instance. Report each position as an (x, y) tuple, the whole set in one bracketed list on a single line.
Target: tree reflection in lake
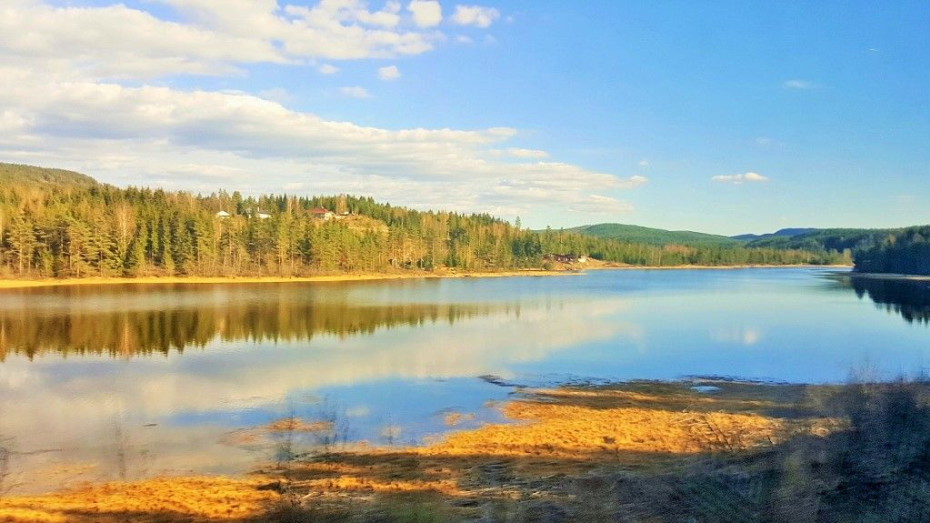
[(77, 360), (908, 298), (123, 322)]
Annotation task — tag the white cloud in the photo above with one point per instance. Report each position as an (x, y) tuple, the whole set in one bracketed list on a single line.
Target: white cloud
[(740, 178), (798, 84), (633, 182), (200, 140), (75, 94), (475, 15), (211, 37), (118, 41), (276, 94), (643, 163), (426, 13), (355, 92), (516, 152), (389, 73)]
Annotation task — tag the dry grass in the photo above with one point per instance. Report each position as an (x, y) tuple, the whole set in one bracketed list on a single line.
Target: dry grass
[(560, 457), (201, 499), (292, 424), (559, 430), (635, 451)]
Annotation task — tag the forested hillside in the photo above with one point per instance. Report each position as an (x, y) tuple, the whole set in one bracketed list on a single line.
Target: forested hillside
[(60, 224), (853, 240), (903, 252), (651, 236), (28, 176)]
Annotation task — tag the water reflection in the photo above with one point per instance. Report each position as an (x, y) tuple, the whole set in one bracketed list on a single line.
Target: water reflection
[(392, 362), (908, 298), (100, 383), (145, 320)]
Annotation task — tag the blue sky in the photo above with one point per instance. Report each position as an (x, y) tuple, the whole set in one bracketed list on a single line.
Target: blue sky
[(724, 117)]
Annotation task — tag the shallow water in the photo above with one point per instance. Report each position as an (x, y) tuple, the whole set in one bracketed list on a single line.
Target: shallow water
[(111, 382)]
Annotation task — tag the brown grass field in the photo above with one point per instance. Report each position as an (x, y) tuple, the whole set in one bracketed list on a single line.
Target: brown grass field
[(641, 451), (560, 441)]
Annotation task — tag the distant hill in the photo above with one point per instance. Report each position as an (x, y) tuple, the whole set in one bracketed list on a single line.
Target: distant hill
[(779, 233), (650, 236), (825, 239), (28, 175)]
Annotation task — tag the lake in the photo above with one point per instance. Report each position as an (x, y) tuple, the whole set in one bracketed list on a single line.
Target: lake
[(129, 381)]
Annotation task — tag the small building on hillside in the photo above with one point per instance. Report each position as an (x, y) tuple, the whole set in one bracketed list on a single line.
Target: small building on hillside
[(565, 258), (322, 214), (222, 214), (257, 214)]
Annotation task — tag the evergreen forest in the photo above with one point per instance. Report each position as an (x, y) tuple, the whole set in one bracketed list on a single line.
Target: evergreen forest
[(906, 251), (60, 224)]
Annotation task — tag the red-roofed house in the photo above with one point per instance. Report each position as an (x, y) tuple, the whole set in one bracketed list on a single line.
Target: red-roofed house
[(322, 214)]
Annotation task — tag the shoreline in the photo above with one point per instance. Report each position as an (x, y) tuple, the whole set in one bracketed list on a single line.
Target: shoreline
[(213, 280), (337, 278), (712, 267)]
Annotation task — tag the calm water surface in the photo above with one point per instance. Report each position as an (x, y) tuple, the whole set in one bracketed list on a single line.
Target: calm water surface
[(101, 383)]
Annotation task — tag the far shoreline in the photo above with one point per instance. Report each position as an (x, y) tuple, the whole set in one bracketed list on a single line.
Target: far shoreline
[(214, 280), (714, 267), (360, 277)]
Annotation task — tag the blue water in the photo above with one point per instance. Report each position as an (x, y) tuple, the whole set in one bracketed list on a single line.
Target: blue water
[(182, 378)]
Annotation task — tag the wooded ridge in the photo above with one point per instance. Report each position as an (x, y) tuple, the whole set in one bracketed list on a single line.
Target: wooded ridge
[(61, 224)]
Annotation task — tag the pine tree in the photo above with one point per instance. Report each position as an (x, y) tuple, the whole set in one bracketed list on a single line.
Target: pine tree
[(22, 241)]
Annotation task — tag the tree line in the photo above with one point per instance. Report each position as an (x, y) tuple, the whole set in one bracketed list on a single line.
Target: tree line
[(905, 251), (72, 230)]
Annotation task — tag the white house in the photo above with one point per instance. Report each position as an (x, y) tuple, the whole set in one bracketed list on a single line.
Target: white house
[(322, 214)]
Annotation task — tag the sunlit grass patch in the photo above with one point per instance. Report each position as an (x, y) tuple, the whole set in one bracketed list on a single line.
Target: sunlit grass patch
[(637, 451), (160, 499)]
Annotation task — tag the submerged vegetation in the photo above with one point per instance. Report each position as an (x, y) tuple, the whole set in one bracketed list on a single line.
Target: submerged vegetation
[(58, 224)]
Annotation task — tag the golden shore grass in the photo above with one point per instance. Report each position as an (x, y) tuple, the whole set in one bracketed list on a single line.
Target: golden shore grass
[(571, 431), (194, 499), (564, 432), (555, 434)]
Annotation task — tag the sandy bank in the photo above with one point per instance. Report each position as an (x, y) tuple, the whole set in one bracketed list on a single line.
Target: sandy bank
[(206, 280)]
